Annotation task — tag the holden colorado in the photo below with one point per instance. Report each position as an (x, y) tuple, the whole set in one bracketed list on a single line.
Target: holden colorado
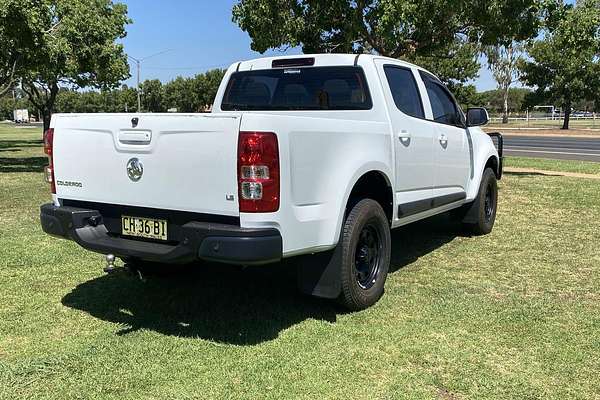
[(315, 157)]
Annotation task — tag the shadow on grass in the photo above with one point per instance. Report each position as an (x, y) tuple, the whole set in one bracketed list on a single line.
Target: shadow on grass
[(15, 144), (515, 173), (227, 304), (21, 164), (27, 164), (411, 242), (215, 302)]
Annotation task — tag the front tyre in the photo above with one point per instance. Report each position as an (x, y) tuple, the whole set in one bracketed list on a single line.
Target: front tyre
[(482, 215), (366, 252)]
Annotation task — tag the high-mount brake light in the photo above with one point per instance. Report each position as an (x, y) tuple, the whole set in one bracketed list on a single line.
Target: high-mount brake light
[(258, 172), (49, 150)]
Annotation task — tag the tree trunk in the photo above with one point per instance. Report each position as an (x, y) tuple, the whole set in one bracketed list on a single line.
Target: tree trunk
[(49, 106), (567, 115), (42, 99), (505, 109), (47, 115)]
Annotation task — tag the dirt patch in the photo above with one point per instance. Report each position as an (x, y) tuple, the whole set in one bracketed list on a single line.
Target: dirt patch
[(444, 394), (533, 171)]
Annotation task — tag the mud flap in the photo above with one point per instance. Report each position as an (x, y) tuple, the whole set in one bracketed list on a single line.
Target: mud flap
[(471, 215), (319, 274)]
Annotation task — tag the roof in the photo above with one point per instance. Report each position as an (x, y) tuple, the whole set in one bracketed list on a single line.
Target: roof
[(322, 60)]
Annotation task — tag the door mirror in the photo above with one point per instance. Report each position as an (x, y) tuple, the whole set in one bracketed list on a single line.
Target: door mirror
[(477, 116)]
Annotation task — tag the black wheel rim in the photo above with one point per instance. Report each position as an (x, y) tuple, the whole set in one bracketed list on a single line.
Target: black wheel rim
[(367, 256), (490, 203)]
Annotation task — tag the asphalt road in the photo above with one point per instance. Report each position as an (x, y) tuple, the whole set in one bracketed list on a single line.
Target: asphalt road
[(561, 148)]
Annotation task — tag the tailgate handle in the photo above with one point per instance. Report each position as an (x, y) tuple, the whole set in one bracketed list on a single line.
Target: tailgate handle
[(135, 137)]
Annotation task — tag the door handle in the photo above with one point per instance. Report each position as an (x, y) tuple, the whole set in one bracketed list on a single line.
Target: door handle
[(404, 137), (135, 137), (443, 141)]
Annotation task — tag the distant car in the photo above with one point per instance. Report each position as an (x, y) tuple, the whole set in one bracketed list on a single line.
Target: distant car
[(300, 155), (583, 114)]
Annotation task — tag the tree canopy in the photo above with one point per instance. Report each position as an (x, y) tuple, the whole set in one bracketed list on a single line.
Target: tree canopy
[(18, 39), (564, 63), (64, 42), (395, 28), (503, 62), (443, 36)]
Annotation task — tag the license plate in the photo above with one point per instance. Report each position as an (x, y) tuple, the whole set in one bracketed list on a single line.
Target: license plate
[(144, 227)]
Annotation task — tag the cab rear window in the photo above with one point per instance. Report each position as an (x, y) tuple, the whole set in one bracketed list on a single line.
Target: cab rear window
[(313, 88)]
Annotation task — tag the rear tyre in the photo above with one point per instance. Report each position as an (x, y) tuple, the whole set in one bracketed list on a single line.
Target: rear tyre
[(481, 216), (365, 259)]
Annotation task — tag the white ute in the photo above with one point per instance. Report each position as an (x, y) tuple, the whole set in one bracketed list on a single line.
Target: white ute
[(300, 155)]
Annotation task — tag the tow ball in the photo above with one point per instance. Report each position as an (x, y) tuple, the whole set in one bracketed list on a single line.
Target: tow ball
[(110, 264)]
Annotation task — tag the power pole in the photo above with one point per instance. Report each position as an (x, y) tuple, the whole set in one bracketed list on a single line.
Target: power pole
[(139, 90), (138, 63)]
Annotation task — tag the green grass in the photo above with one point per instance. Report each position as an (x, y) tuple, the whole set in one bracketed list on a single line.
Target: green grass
[(511, 315), (583, 167)]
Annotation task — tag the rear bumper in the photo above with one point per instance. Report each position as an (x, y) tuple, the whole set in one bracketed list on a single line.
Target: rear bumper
[(200, 240)]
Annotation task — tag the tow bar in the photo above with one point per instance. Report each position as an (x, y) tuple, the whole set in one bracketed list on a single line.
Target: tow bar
[(131, 268)]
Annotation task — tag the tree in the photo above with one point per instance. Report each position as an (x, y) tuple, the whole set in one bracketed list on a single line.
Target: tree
[(180, 94), (393, 28), (8, 104), (517, 100), (564, 64), (18, 38), (75, 46), (153, 95), (127, 99), (503, 62), (206, 86), (467, 96), (455, 64)]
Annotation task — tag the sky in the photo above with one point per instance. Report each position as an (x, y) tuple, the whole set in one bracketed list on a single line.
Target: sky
[(192, 36)]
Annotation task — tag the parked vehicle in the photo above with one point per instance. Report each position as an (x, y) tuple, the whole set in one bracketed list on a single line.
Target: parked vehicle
[(300, 155), (21, 116)]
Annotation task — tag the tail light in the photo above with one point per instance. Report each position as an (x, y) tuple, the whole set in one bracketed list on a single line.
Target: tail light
[(258, 172), (48, 149)]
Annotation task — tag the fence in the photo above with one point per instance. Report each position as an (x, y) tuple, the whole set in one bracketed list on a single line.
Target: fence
[(527, 121)]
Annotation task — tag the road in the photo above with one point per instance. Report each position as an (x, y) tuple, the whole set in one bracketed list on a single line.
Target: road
[(561, 148)]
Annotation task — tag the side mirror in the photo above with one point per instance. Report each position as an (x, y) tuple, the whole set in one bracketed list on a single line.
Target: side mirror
[(477, 116)]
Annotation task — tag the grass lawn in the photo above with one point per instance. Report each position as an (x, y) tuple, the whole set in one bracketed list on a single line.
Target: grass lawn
[(583, 167), (511, 315)]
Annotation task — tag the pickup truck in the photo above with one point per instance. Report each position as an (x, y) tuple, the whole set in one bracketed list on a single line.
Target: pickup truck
[(314, 157)]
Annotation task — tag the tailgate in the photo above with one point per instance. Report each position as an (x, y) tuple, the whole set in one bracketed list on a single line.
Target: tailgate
[(188, 162)]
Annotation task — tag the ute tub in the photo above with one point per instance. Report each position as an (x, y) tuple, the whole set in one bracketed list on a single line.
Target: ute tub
[(200, 240)]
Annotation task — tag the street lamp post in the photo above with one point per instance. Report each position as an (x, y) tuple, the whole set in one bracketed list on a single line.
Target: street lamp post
[(139, 96), (138, 62)]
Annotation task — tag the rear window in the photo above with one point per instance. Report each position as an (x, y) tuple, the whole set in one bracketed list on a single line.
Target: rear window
[(314, 88)]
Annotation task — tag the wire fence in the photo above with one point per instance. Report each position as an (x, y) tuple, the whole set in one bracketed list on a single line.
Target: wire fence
[(541, 122)]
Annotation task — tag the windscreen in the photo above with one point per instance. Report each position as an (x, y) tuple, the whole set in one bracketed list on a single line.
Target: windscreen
[(314, 88)]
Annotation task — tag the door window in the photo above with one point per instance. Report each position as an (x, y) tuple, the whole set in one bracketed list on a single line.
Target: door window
[(404, 90), (444, 108)]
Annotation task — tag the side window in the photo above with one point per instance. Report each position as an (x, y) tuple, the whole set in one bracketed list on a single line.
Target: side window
[(443, 106), (404, 90)]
